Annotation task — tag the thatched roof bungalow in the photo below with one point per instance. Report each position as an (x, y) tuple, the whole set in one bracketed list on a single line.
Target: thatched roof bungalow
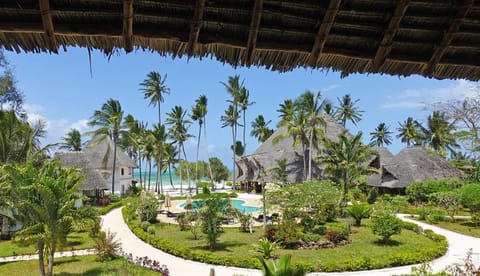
[(412, 164), (432, 38), (264, 159)]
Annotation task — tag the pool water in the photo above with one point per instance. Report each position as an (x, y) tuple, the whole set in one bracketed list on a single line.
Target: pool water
[(237, 203)]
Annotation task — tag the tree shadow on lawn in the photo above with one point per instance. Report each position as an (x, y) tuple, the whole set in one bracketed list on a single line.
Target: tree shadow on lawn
[(90, 272), (221, 246), (62, 261), (388, 243)]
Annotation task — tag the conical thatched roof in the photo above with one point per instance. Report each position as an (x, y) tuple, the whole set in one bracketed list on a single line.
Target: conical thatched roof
[(383, 157), (100, 151), (433, 38), (413, 164), (266, 156), (93, 179)]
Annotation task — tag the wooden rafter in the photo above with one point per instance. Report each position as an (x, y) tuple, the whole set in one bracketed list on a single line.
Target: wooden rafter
[(195, 26), (323, 31), (448, 36), (253, 31), (389, 34), (127, 31), (48, 24)]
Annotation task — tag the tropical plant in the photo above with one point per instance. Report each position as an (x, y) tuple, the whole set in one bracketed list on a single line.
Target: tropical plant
[(358, 212), (160, 135), (219, 170), (10, 95), (345, 160), (153, 88), (107, 247), (408, 131), (170, 155), (286, 111), (439, 133), (244, 102), (382, 136), (109, 122), (147, 207), (281, 267), (72, 140), (280, 171), (471, 199), (385, 224), (211, 217), (45, 199), (265, 247), (260, 129), (347, 111), (199, 111)]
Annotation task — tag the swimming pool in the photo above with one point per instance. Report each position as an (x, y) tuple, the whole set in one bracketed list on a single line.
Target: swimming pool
[(237, 203)]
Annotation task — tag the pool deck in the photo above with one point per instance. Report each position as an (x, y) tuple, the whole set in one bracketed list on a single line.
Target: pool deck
[(250, 200)]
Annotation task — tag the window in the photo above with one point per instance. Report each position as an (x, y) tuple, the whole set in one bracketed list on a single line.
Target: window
[(122, 171)]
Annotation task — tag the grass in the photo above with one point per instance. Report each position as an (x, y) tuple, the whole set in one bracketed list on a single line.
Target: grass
[(462, 226), (235, 243), (80, 265), (77, 240)]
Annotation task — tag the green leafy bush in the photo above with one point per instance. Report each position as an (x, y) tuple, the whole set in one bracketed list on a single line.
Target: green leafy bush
[(104, 210), (372, 195), (471, 199), (144, 225), (244, 219), (265, 247), (358, 212), (106, 246), (151, 230), (435, 216), (147, 207), (420, 192), (385, 224), (337, 234)]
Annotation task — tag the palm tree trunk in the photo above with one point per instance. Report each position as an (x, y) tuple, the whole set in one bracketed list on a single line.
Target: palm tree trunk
[(51, 258), (244, 129), (233, 151), (310, 143), (196, 164), (170, 174), (304, 161), (149, 174), (41, 264), (188, 168), (114, 163), (206, 152), (179, 162), (140, 167)]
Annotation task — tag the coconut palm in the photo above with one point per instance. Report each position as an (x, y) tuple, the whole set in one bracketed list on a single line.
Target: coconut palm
[(179, 131), (439, 133), (260, 129), (170, 155), (286, 111), (159, 148), (244, 103), (130, 140), (381, 136), (147, 152), (229, 119), (199, 111), (45, 200), (345, 160), (109, 122), (72, 141), (347, 111), (408, 131), (153, 88)]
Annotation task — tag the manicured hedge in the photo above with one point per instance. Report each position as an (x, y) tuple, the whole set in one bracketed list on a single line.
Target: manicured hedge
[(104, 210), (349, 264)]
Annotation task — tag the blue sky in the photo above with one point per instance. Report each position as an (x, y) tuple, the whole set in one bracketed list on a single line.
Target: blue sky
[(61, 90)]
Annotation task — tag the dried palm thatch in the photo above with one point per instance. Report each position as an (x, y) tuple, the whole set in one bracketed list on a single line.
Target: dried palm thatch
[(100, 153), (433, 38), (75, 159), (413, 164), (264, 159)]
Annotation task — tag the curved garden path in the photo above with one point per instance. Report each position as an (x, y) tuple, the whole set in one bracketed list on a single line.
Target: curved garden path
[(113, 221)]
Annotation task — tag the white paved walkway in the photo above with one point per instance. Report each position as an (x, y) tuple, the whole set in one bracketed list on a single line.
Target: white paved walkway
[(57, 255), (113, 221)]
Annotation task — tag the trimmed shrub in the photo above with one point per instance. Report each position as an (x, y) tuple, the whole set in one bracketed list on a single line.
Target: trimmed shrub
[(144, 225), (420, 192), (385, 224), (337, 234), (151, 230), (471, 199)]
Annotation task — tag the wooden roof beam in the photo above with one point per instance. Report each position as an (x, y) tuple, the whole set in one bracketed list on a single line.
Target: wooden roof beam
[(323, 31), (389, 34), (48, 24), (253, 31), (127, 31), (195, 26), (448, 36)]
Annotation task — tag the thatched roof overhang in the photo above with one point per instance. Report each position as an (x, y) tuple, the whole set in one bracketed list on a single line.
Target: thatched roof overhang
[(433, 38), (99, 151)]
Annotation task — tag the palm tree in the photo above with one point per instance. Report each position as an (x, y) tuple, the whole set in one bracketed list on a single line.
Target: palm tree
[(72, 141), (347, 111), (381, 136), (199, 111), (345, 160), (439, 133), (153, 88), (170, 159), (260, 129), (45, 200), (281, 267), (178, 131), (408, 131), (244, 103), (148, 151), (159, 148), (230, 118), (286, 111), (109, 121)]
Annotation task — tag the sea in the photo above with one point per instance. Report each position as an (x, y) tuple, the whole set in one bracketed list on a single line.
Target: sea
[(176, 181)]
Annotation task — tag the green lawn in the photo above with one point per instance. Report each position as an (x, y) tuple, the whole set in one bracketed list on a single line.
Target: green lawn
[(77, 240), (81, 265), (461, 226), (363, 246)]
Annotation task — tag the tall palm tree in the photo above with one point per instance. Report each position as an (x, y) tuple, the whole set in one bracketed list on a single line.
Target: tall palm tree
[(179, 131), (244, 102), (148, 151), (159, 148), (229, 119), (347, 111), (153, 88), (345, 160), (72, 141), (199, 111), (439, 133), (286, 111), (109, 122), (170, 159), (381, 136), (408, 131), (260, 129), (45, 200)]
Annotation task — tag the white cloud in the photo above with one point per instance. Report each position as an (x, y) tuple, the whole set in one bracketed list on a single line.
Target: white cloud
[(331, 87), (415, 98)]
